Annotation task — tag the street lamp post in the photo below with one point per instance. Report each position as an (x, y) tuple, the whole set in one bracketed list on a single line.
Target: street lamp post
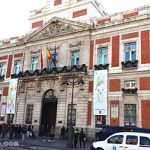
[(70, 128)]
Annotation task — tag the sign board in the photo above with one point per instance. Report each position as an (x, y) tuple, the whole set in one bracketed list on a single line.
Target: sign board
[(11, 99), (100, 92)]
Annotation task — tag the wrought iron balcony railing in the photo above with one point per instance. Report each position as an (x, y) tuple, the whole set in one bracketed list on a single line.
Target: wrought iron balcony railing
[(129, 91), (101, 67), (54, 70), (129, 64)]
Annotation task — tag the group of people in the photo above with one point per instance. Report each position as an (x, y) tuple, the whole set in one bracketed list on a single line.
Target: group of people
[(16, 131), (77, 136)]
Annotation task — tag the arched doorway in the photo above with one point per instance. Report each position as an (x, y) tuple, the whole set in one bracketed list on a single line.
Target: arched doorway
[(49, 110)]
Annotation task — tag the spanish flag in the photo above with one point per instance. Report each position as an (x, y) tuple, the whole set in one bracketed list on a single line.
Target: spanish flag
[(49, 55)]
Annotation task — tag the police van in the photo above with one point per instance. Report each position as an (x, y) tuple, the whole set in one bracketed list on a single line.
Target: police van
[(124, 141)]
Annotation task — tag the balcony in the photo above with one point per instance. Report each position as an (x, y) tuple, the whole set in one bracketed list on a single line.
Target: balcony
[(129, 64), (52, 71), (2, 78), (129, 91), (101, 66)]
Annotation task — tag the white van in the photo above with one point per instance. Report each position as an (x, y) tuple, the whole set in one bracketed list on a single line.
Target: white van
[(124, 141)]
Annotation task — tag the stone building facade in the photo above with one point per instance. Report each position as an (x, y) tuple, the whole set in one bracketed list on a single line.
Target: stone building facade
[(119, 44)]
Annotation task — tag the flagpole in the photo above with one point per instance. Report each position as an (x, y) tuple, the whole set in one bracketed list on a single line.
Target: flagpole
[(54, 61)]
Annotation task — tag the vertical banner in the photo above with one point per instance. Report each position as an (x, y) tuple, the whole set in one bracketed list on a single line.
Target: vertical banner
[(11, 100), (100, 92), (3, 110)]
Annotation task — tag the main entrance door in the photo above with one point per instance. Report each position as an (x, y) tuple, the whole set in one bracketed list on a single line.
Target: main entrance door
[(49, 109)]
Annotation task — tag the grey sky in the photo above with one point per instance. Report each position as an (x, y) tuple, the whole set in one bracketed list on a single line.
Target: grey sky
[(14, 14)]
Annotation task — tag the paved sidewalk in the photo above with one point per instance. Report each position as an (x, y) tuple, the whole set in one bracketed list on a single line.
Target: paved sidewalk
[(57, 143)]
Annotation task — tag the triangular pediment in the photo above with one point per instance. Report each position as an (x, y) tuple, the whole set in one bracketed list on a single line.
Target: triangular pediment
[(56, 27)]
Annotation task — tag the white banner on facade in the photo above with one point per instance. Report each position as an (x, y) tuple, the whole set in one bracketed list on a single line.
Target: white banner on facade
[(11, 99), (100, 92), (3, 110)]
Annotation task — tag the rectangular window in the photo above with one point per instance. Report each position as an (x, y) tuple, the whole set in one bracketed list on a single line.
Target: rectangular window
[(75, 58), (100, 120), (130, 51), (102, 55), (2, 68), (144, 141), (130, 114), (34, 63), (131, 140), (17, 66), (73, 114), (29, 112), (130, 84)]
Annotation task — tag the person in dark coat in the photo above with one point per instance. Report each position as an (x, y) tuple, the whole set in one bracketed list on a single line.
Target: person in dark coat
[(82, 138), (76, 134), (62, 133)]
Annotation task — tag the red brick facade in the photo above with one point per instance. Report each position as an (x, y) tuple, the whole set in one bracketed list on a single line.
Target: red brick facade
[(91, 54), (145, 83), (115, 51), (132, 14), (37, 24), (114, 121), (145, 111), (114, 85), (9, 66), (89, 112), (103, 40), (91, 86), (18, 55), (57, 2), (79, 13), (104, 20), (5, 91), (3, 57), (130, 35), (145, 47)]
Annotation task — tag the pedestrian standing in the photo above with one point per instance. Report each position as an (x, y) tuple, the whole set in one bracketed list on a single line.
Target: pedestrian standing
[(82, 138), (24, 132), (62, 133), (52, 133), (76, 134)]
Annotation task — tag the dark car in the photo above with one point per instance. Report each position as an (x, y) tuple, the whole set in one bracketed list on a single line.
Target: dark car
[(107, 130)]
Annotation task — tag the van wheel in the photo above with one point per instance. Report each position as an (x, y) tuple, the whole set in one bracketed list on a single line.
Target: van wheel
[(99, 149)]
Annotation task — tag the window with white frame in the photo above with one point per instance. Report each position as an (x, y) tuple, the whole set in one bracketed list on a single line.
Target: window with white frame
[(2, 68), (130, 51), (130, 84), (130, 114), (75, 57), (17, 66), (34, 63), (102, 55)]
